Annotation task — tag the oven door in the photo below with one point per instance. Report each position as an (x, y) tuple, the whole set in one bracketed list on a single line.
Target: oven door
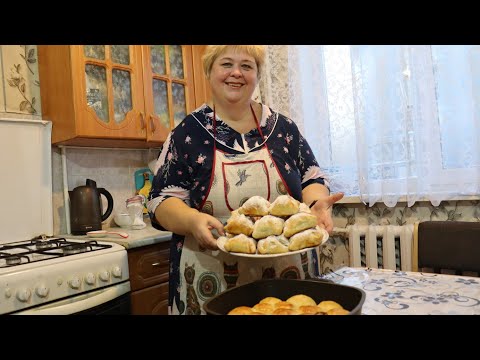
[(113, 300)]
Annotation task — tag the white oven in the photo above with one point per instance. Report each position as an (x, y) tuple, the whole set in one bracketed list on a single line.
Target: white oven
[(48, 274)]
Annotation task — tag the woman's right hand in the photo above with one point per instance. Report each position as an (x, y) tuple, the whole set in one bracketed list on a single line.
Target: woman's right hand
[(201, 225)]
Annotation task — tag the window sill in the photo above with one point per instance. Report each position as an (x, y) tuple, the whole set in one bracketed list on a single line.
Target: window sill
[(403, 199)]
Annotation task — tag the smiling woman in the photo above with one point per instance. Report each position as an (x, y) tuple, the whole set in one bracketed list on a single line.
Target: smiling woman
[(225, 152)]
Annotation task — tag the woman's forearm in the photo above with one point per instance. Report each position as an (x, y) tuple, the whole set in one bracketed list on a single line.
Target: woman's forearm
[(175, 216)]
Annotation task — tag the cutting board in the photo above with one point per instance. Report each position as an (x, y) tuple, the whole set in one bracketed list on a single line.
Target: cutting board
[(139, 178)]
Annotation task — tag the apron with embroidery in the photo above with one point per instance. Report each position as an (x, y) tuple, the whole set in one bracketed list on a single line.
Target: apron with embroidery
[(205, 273)]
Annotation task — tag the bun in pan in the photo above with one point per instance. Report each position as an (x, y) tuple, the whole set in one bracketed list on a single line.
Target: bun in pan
[(242, 310)]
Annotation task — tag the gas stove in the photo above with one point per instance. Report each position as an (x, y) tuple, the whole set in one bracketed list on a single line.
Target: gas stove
[(38, 272), (48, 274)]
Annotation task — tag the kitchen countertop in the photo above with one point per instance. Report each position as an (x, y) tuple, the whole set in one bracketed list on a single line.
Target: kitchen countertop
[(136, 238)]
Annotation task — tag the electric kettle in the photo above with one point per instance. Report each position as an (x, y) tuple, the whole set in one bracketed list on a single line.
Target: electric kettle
[(86, 212)]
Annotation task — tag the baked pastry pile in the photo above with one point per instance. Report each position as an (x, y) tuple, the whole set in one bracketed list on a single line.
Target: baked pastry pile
[(261, 227), (294, 305)]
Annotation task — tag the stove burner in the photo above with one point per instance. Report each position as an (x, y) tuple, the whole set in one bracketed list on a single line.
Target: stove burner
[(13, 260), (74, 249), (43, 245)]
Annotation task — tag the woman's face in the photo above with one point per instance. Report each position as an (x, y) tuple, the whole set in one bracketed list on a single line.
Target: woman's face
[(233, 77)]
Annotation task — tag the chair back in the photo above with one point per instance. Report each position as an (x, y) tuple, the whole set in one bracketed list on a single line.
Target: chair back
[(447, 247)]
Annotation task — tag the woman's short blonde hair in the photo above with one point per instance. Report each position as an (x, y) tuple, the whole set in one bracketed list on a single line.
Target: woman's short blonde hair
[(212, 52)]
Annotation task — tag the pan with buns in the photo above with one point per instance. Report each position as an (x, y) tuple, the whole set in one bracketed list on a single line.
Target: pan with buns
[(260, 228), (287, 297)]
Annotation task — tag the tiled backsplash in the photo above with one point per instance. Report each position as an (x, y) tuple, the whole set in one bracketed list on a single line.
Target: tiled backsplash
[(112, 169)]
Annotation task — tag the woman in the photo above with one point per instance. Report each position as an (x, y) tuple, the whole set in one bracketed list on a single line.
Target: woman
[(224, 152)]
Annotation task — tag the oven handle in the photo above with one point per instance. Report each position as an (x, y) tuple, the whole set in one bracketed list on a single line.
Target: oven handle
[(88, 301)]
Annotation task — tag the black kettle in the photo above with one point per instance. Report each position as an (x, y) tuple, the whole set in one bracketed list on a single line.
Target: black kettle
[(86, 208)]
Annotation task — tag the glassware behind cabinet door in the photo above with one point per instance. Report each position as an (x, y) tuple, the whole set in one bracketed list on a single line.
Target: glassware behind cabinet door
[(135, 209)]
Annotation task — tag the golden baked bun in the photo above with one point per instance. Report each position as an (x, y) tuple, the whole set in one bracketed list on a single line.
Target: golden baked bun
[(284, 305), (308, 310), (239, 224), (305, 239), (299, 222), (283, 311), (255, 206), (266, 226), (284, 205), (242, 310), (301, 300), (241, 244), (326, 305), (338, 311), (263, 308), (270, 300), (271, 245)]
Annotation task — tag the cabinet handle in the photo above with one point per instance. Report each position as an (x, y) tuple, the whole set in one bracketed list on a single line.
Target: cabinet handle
[(142, 121), (156, 264), (152, 124)]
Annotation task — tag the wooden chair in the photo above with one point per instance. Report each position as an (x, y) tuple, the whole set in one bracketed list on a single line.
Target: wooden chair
[(447, 247)]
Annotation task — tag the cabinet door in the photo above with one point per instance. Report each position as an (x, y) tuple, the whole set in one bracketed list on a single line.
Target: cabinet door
[(168, 87), (110, 93), (150, 301)]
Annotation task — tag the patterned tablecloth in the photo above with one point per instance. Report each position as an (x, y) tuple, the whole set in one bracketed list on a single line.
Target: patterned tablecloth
[(390, 292)]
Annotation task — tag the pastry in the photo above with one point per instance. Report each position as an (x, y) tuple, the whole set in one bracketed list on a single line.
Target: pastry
[(241, 244), (284, 205), (338, 311), (266, 226), (270, 300), (283, 311), (308, 310), (264, 308), (305, 239), (255, 206), (242, 310), (299, 222), (327, 305), (304, 208), (271, 245), (239, 224), (301, 300)]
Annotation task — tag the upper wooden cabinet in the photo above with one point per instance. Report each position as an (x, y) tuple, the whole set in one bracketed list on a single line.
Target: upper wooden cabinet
[(118, 95)]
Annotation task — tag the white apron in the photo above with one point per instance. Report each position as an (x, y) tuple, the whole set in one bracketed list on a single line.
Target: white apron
[(205, 273)]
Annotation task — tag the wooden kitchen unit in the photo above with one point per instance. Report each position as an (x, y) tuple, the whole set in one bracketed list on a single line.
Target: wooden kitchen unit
[(148, 269), (119, 95)]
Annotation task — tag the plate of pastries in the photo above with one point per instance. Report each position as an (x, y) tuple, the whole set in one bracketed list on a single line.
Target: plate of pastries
[(295, 305), (262, 229)]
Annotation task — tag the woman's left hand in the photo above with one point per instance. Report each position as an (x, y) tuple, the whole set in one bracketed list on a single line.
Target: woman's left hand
[(323, 210)]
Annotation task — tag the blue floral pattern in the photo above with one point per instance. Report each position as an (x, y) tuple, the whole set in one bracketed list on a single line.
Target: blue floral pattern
[(390, 292)]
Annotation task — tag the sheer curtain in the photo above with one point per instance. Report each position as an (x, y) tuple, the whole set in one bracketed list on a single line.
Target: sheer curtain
[(385, 122)]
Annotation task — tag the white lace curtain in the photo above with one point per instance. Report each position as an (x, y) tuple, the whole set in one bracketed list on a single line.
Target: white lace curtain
[(385, 122)]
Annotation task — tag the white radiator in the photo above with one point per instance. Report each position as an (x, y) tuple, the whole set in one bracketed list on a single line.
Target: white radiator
[(384, 246)]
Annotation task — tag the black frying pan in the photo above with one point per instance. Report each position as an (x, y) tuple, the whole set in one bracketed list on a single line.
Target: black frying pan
[(349, 297)]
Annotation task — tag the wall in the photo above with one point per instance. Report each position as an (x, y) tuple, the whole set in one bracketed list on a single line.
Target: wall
[(113, 169)]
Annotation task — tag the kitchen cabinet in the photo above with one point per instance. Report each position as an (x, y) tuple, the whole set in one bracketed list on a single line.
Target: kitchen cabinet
[(149, 272), (118, 95)]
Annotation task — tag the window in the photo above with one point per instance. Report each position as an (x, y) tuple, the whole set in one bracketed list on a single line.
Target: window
[(386, 121)]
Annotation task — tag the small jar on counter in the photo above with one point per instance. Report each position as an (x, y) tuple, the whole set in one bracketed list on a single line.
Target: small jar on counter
[(135, 210)]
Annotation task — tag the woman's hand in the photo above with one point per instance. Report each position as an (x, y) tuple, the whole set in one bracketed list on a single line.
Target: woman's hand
[(201, 225), (323, 210)]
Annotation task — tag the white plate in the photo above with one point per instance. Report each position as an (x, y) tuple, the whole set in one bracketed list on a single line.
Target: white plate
[(221, 246)]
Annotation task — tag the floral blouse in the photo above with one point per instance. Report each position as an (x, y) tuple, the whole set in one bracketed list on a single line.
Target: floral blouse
[(184, 166)]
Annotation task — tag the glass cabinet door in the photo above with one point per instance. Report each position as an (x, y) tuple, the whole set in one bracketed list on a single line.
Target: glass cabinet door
[(168, 87), (112, 80)]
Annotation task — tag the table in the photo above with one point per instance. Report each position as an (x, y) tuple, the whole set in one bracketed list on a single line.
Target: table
[(391, 292)]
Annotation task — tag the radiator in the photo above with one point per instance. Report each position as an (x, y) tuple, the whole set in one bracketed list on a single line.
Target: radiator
[(381, 246)]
